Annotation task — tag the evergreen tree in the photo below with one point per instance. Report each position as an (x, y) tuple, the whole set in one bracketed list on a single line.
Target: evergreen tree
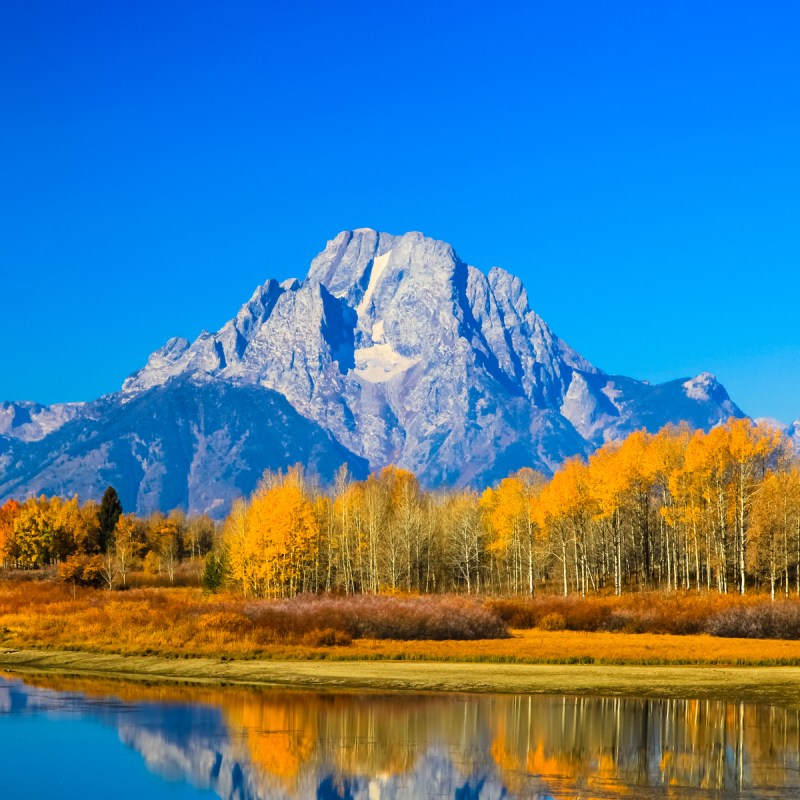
[(214, 573), (110, 511)]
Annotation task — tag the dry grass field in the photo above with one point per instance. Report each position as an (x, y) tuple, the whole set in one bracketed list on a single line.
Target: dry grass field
[(183, 623), (570, 647)]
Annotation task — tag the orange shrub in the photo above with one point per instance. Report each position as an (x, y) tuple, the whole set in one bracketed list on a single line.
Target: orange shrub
[(678, 613), (327, 638), (379, 617), (553, 622)]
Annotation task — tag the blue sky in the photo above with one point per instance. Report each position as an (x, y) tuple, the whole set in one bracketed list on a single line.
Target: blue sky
[(636, 163)]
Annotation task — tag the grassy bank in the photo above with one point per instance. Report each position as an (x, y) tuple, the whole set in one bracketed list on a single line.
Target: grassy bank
[(773, 685), (182, 635)]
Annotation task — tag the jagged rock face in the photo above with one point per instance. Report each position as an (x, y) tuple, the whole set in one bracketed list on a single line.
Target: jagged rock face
[(404, 354)]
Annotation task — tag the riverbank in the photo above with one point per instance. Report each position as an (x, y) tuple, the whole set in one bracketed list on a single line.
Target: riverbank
[(772, 685)]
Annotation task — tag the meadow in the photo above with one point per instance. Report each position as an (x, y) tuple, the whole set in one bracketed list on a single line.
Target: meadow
[(182, 622)]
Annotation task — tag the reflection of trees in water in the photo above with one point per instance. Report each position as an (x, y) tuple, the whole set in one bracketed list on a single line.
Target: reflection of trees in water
[(610, 744), (251, 744), (356, 744)]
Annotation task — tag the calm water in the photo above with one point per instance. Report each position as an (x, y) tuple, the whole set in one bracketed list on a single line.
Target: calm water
[(72, 739)]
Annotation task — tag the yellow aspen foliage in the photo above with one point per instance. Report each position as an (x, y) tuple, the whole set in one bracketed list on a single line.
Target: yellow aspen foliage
[(272, 541), (44, 530), (241, 556), (9, 512), (505, 509), (128, 544), (771, 512)]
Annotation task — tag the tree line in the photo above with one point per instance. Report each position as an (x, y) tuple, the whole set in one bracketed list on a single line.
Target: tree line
[(673, 510), (97, 544), (678, 509)]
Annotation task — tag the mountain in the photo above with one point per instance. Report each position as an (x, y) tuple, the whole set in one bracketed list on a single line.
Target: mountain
[(189, 444), (391, 350)]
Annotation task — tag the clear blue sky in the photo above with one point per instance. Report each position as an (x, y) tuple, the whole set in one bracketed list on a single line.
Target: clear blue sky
[(636, 163)]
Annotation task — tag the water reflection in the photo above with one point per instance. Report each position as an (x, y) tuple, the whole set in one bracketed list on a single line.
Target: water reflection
[(248, 744)]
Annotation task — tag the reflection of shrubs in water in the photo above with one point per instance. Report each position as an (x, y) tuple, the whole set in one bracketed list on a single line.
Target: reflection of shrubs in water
[(376, 617)]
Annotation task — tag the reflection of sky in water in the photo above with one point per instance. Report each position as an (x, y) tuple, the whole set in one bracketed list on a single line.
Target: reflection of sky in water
[(72, 739)]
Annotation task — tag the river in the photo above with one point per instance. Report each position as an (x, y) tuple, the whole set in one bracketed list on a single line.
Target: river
[(68, 738)]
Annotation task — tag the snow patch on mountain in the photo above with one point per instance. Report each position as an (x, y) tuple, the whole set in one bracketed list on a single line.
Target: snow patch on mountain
[(701, 386), (376, 271), (381, 363)]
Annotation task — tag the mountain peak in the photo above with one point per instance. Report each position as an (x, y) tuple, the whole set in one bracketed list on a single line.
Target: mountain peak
[(704, 387), (344, 266)]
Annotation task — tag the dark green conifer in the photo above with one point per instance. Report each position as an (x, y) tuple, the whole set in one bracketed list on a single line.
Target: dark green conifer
[(110, 511)]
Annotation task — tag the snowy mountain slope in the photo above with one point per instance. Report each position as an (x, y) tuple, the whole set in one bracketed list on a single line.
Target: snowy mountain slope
[(603, 408), (402, 353)]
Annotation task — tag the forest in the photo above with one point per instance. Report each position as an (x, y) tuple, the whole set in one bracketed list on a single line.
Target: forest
[(676, 510)]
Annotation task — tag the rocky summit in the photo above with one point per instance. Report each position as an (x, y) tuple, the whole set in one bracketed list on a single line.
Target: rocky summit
[(392, 350)]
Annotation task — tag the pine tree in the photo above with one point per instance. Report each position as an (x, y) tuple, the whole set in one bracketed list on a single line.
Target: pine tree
[(214, 573), (108, 515)]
